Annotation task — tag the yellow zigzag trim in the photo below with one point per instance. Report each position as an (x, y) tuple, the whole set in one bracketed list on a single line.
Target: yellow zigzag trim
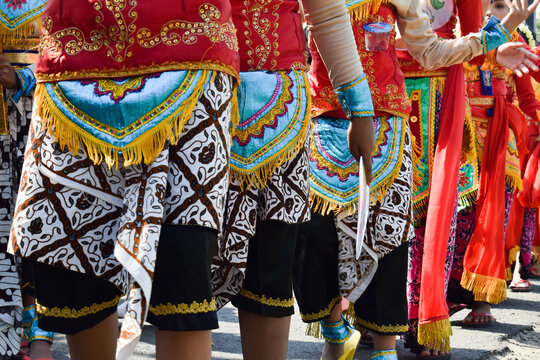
[(435, 335), (260, 176), (143, 149), (193, 308), (323, 313), (380, 328), (485, 288), (267, 301), (324, 205), (70, 313)]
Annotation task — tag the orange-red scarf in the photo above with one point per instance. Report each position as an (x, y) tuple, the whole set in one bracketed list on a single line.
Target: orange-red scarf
[(528, 197), (434, 328), (484, 263)]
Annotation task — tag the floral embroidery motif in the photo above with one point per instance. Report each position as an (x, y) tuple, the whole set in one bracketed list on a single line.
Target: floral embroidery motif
[(15, 4), (118, 89), (70, 313), (118, 38), (193, 308), (189, 31), (258, 17)]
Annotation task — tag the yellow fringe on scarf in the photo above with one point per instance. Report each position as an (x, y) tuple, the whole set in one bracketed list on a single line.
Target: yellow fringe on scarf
[(28, 28), (485, 288), (435, 335), (143, 149), (260, 176), (512, 254), (365, 8)]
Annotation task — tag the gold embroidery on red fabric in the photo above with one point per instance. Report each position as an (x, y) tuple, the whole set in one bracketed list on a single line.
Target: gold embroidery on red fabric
[(389, 99), (187, 32), (263, 19), (120, 37), (117, 38)]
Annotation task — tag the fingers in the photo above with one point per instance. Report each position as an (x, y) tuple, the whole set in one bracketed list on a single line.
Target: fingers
[(531, 56), (355, 152), (533, 7), (528, 63), (518, 72)]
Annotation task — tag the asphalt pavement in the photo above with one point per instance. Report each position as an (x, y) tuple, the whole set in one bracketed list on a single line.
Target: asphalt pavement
[(515, 336)]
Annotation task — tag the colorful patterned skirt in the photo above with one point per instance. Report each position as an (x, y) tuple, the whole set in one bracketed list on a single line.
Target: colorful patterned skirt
[(13, 145), (334, 186), (106, 221), (269, 189)]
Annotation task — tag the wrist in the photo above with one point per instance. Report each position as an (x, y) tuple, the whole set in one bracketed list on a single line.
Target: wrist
[(355, 98)]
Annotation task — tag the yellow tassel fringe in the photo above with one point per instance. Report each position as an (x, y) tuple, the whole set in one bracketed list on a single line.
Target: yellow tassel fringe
[(144, 149), (485, 288), (362, 10), (260, 176), (323, 205), (314, 329), (435, 335), (469, 199), (30, 27)]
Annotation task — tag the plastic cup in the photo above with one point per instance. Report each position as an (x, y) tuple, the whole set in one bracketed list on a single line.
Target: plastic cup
[(377, 36)]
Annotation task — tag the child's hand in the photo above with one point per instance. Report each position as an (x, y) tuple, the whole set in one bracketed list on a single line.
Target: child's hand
[(361, 138), (519, 12), (515, 57)]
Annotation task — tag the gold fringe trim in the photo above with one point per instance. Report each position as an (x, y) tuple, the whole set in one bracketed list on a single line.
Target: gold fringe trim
[(485, 288), (313, 329), (30, 27), (469, 199), (323, 313), (267, 300), (260, 176), (514, 180), (193, 308), (143, 149), (70, 313), (420, 210), (435, 334), (512, 254), (324, 205), (362, 10)]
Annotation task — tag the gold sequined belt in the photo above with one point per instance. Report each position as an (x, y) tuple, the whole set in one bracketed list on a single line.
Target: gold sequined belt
[(482, 101), (21, 58)]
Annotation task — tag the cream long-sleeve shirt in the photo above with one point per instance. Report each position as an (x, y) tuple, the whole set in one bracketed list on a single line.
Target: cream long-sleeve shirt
[(423, 43)]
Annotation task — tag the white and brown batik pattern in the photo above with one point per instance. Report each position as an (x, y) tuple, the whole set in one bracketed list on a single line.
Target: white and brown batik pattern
[(285, 198), (390, 223), (106, 222), (12, 153)]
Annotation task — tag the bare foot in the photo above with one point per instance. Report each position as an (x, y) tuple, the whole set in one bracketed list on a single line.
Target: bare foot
[(427, 353), (480, 315)]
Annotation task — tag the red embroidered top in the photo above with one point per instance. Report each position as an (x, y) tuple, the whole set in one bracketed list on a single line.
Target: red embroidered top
[(443, 21), (270, 35), (385, 78), (97, 38)]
